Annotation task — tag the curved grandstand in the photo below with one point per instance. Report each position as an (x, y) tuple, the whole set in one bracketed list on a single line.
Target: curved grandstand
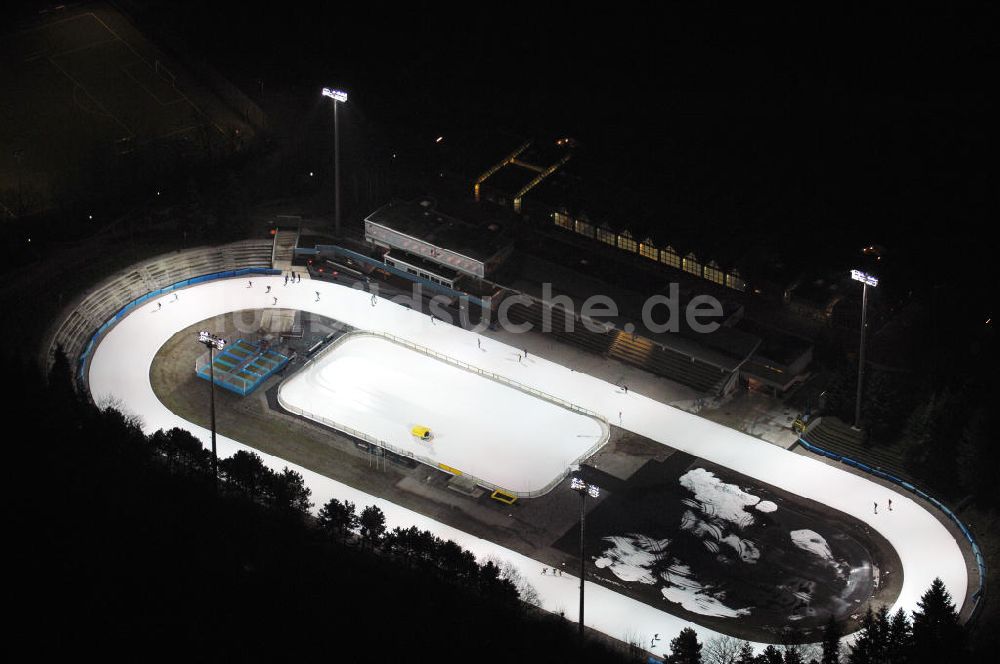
[(112, 333)]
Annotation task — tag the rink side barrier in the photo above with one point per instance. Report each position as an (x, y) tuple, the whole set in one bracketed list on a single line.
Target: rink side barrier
[(142, 299), (605, 426), (980, 560)]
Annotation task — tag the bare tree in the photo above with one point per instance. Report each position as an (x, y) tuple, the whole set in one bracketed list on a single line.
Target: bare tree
[(509, 572), (114, 403), (634, 644), (722, 650)]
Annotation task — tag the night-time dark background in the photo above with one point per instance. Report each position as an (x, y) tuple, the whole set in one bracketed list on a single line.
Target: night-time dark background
[(830, 124)]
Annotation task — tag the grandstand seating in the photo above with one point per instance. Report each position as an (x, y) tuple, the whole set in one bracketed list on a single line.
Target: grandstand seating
[(833, 435), (637, 351), (97, 305)]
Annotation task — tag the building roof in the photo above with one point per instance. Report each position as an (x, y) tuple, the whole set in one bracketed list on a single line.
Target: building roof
[(475, 231)]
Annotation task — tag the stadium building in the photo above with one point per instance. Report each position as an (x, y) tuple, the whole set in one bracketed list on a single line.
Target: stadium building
[(423, 240)]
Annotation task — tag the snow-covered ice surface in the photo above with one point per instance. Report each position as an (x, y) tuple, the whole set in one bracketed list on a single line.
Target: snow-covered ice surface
[(121, 363), (373, 385)]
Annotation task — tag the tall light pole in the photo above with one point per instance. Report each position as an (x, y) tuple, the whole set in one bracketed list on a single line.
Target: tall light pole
[(338, 97), (584, 489), (866, 281), (213, 343)]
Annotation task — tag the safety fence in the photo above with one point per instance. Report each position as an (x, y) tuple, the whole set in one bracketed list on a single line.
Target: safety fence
[(605, 426), (152, 295), (976, 552)]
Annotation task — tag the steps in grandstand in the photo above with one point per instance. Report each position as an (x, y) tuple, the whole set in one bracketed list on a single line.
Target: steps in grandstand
[(285, 241), (833, 435), (242, 366)]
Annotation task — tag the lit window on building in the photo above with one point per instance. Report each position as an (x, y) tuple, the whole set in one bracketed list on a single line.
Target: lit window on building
[(585, 229), (647, 249), (735, 281), (670, 257), (626, 242), (606, 236), (691, 264), (563, 220), (714, 274)]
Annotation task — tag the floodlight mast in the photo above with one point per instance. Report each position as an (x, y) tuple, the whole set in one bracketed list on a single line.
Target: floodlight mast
[(338, 97), (866, 281), (584, 489), (213, 343)]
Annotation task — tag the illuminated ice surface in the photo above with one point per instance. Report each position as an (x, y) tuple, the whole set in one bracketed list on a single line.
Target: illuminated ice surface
[(373, 385), (121, 364)]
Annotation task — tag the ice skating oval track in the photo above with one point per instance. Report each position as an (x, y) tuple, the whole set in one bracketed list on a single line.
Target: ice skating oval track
[(120, 368)]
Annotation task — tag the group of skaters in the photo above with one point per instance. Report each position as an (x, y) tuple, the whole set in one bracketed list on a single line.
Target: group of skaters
[(295, 277), (555, 571)]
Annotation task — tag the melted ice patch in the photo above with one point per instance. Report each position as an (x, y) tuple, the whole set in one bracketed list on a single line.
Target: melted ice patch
[(632, 558), (716, 498)]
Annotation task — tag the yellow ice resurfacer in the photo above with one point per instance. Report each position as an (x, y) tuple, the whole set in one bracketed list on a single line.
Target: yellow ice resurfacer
[(421, 432)]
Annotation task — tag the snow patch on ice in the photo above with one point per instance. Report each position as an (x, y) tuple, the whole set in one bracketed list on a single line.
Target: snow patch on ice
[(814, 543), (682, 589), (766, 506), (635, 557), (710, 533), (631, 558), (725, 501)]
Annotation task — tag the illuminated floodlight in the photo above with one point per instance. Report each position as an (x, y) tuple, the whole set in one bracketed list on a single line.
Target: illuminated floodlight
[(336, 95), (866, 279), (579, 485), (210, 339)]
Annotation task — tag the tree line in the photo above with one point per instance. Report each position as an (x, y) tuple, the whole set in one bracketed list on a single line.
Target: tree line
[(931, 636)]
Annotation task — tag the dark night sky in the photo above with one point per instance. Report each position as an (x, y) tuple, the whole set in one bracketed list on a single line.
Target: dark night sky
[(875, 122)]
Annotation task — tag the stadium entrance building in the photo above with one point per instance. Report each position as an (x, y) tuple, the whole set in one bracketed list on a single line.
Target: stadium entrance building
[(467, 243)]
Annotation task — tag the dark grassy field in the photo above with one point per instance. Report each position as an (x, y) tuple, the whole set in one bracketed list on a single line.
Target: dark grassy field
[(84, 93)]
